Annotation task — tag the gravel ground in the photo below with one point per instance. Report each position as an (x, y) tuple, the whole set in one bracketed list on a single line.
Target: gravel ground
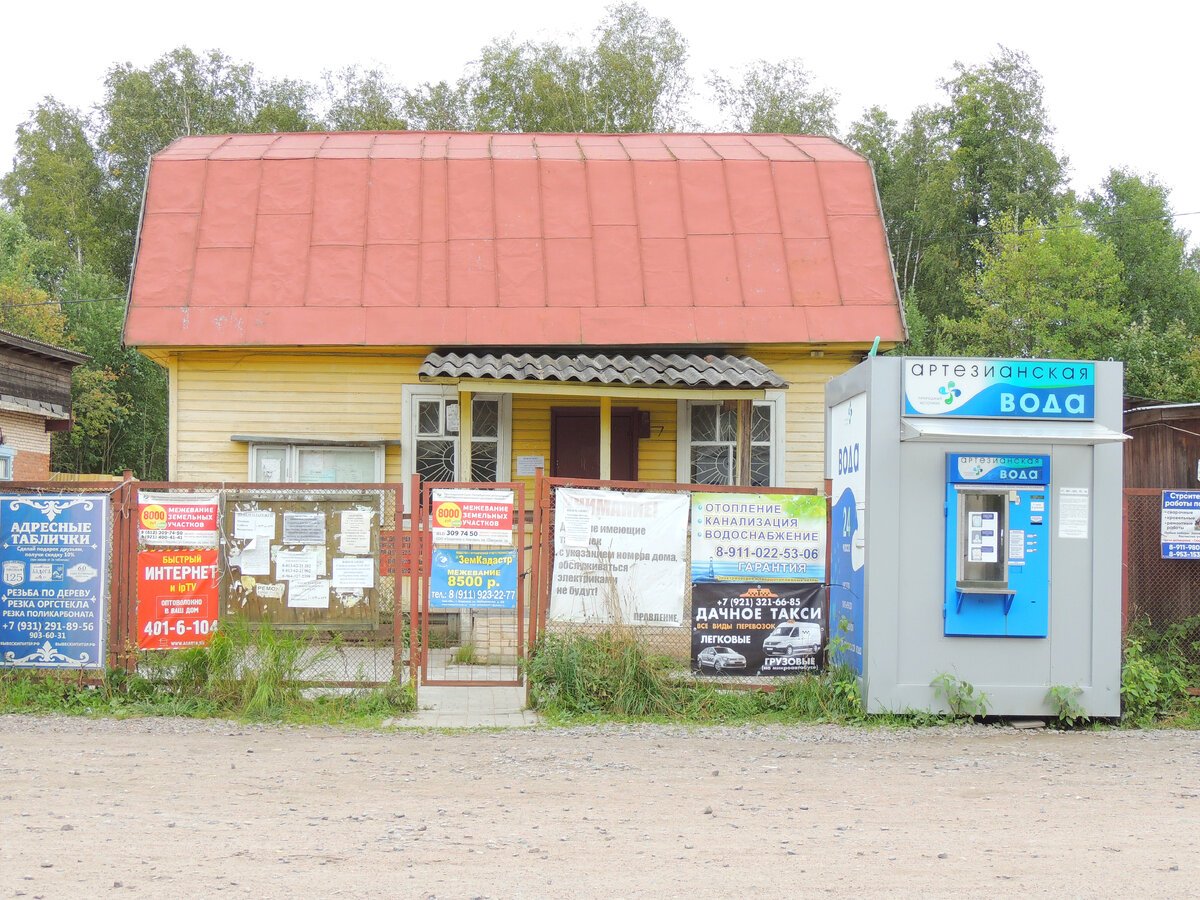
[(179, 808)]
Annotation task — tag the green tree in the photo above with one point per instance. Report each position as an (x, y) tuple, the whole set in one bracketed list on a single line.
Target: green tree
[(955, 169), (1160, 363), (1051, 292), (633, 79), (777, 98), (59, 185), (363, 100), (27, 269), (1161, 280), (438, 107)]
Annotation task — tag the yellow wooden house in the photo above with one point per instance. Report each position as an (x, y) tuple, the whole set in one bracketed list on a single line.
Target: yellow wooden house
[(360, 307)]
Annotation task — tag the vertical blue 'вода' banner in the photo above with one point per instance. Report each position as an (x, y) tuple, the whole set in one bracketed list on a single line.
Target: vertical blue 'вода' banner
[(53, 551)]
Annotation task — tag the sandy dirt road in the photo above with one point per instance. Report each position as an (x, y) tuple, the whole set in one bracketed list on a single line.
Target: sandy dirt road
[(171, 808)]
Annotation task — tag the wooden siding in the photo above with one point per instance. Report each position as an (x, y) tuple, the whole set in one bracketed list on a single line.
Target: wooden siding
[(31, 377), (311, 395), (807, 376), (357, 396)]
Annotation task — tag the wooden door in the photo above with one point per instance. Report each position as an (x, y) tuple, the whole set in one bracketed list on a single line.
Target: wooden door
[(575, 442)]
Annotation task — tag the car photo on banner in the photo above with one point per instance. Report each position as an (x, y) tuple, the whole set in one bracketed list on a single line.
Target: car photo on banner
[(720, 659)]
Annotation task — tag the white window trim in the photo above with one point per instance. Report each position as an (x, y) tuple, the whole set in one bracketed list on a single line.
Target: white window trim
[(411, 393), (292, 450), (8, 458), (683, 440)]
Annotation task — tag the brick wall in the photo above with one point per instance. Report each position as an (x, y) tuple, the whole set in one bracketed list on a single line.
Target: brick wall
[(27, 434)]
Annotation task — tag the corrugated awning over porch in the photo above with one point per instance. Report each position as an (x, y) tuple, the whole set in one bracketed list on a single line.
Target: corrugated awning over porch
[(620, 371)]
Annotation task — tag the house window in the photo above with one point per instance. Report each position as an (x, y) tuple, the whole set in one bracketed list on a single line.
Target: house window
[(7, 455), (432, 440), (708, 442), (316, 463)]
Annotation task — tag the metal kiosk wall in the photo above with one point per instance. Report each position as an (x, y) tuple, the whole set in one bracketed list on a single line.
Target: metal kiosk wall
[(976, 530)]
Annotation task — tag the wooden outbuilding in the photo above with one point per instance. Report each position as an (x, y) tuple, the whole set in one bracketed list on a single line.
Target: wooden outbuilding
[(35, 400)]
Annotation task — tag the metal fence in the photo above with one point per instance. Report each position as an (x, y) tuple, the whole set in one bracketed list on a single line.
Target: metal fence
[(371, 649), (1162, 596), (673, 642)]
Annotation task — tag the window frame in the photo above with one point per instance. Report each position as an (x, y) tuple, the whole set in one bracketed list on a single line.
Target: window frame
[(291, 458), (412, 394), (8, 460), (777, 400)]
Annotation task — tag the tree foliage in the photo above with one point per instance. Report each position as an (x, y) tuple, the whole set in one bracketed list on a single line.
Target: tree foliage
[(1133, 215), (1050, 292), (775, 98), (1109, 276), (632, 79), (956, 168)]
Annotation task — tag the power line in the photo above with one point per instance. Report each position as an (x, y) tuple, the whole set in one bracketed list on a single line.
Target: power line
[(1106, 222), (58, 302)]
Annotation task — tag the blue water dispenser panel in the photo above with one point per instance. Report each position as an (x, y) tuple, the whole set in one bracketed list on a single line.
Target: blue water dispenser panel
[(997, 545)]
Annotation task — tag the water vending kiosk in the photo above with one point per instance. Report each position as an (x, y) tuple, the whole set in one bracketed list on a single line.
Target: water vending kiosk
[(976, 530)]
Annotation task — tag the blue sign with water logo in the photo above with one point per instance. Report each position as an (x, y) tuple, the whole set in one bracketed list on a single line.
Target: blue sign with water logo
[(1000, 388)]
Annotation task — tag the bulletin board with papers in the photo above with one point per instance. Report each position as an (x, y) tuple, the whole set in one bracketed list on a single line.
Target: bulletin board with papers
[(303, 560)]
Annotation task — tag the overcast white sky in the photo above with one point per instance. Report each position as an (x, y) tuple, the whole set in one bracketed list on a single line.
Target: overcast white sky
[(1120, 80)]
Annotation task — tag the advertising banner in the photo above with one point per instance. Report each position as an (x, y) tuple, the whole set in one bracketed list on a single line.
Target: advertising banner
[(177, 519), (53, 559), (757, 629), (177, 598), (472, 517), (478, 579), (1000, 388), (753, 537), (619, 557), (1181, 525), (848, 522)]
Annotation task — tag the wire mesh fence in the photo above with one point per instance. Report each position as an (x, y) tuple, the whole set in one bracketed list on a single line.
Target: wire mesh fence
[(1162, 596), (605, 574), (355, 629)]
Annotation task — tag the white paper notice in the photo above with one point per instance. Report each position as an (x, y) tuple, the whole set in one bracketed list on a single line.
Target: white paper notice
[(1016, 544), (356, 531), (1073, 513), (353, 572), (268, 470), (309, 594), (254, 558), (295, 565), (527, 466), (250, 523), (577, 525), (303, 528)]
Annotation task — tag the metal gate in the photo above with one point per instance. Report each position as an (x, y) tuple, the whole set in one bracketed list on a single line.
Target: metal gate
[(468, 624)]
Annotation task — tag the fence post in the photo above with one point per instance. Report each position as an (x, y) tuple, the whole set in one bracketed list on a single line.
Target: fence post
[(1124, 564)]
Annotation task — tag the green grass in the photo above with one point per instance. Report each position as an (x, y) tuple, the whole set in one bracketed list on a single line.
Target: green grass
[(1158, 668), (611, 675), (247, 673)]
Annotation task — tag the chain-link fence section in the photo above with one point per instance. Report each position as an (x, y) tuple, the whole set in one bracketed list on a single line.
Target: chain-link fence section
[(1162, 598), (354, 630), (675, 642)]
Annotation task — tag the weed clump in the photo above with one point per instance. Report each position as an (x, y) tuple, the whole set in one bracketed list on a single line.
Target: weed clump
[(612, 674), (246, 672)]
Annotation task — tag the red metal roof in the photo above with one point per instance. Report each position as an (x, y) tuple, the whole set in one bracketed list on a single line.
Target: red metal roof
[(409, 238)]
